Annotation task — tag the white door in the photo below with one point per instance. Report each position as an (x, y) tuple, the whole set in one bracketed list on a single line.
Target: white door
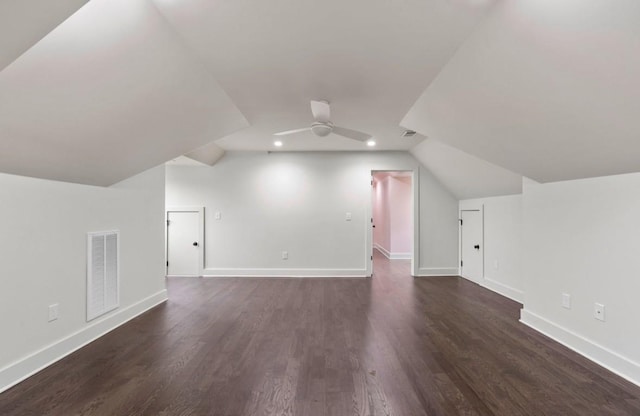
[(183, 245), (471, 257)]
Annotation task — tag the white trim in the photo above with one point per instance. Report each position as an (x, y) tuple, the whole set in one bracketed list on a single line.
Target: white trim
[(392, 256), (201, 247), (437, 271), (499, 288), (469, 279), (184, 275), (415, 243), (232, 272), (611, 360), (502, 289), (368, 231), (382, 250), (415, 214), (20, 370)]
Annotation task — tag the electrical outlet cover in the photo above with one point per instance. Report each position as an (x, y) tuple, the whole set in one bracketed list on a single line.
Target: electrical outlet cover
[(598, 312), (53, 312)]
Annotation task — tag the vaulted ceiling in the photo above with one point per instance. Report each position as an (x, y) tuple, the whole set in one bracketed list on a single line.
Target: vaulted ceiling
[(370, 58), (549, 89), (107, 94), (541, 88), (123, 85), (25, 22)]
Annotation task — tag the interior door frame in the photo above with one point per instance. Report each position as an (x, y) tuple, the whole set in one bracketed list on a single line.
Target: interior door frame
[(479, 209), (201, 241), (415, 215)]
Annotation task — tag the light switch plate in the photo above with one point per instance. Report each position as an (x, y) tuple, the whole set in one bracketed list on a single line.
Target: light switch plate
[(566, 301), (348, 216)]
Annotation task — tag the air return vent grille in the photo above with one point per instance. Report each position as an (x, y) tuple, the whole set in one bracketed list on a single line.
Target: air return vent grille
[(408, 133), (102, 273)]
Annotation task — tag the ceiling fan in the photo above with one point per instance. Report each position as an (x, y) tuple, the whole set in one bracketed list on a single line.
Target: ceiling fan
[(323, 126)]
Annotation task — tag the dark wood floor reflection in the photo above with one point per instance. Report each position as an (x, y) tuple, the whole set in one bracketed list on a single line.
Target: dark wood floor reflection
[(391, 345)]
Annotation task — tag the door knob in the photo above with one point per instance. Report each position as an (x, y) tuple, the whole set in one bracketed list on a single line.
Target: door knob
[(195, 243), (477, 247)]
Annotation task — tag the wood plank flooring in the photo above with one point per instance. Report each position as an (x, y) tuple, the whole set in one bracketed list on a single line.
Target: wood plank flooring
[(391, 345)]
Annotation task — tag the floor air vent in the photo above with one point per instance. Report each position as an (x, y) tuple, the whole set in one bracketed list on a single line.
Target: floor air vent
[(102, 273)]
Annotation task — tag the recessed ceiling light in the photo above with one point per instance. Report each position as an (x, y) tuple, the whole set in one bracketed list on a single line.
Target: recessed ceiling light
[(277, 143), (371, 143)]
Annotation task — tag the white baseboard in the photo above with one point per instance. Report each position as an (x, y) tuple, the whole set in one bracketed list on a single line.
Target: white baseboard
[(437, 271), (611, 360), (390, 255), (382, 250), (499, 288), (26, 367), (210, 272), (504, 290)]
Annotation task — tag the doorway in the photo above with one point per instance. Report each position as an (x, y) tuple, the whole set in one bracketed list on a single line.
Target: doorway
[(185, 242), (471, 245), (392, 215)]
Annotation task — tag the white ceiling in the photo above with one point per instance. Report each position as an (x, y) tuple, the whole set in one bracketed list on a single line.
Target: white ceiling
[(464, 175), (25, 22), (208, 154), (185, 161), (543, 88), (370, 58), (119, 87), (546, 88), (109, 93)]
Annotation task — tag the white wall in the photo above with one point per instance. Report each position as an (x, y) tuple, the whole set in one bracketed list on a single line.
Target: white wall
[(582, 238), (438, 216), (43, 249), (502, 220), (297, 202)]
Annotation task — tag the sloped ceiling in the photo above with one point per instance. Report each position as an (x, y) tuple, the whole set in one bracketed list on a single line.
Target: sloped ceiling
[(208, 154), (370, 58), (25, 22), (545, 88), (109, 93), (464, 175)]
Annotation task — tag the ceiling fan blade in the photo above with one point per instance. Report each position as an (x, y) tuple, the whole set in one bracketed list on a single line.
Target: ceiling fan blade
[(285, 133), (321, 111), (351, 134)]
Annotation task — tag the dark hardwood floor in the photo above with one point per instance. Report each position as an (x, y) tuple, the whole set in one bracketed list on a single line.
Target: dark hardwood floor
[(391, 345)]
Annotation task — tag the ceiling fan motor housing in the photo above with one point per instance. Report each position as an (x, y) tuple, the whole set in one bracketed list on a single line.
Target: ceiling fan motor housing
[(321, 129)]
